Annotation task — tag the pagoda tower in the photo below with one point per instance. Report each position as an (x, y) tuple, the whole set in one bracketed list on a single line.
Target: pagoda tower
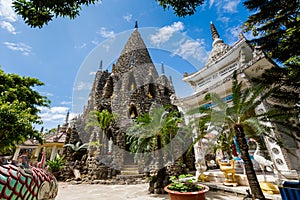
[(132, 88)]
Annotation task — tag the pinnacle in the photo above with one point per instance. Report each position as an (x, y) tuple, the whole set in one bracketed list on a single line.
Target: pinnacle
[(134, 50), (214, 32)]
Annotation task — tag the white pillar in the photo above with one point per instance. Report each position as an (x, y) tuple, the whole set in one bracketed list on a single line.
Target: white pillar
[(37, 152), (53, 153), (16, 155)]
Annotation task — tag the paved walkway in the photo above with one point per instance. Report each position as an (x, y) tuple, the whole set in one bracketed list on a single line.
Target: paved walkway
[(67, 191), (218, 191)]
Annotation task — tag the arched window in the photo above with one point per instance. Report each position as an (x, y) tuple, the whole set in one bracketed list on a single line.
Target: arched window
[(151, 91), (131, 83), (133, 111)]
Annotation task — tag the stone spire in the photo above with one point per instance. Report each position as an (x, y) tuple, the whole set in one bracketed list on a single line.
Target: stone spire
[(100, 66), (219, 47), (136, 25), (134, 50), (214, 32), (162, 68), (67, 118)]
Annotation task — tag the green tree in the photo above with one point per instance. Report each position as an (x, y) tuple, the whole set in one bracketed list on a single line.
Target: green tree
[(104, 120), (39, 13), (152, 131), (241, 121), (276, 23), (181, 8), (19, 110)]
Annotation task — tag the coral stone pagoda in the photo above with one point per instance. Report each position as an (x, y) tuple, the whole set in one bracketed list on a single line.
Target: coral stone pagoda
[(132, 88)]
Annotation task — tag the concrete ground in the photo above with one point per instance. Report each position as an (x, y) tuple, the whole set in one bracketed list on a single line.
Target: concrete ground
[(67, 191)]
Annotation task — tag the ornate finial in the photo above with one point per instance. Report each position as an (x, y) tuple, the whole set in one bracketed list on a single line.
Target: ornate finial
[(214, 32), (113, 68), (171, 80), (58, 127), (136, 24), (162, 68), (100, 66), (67, 117)]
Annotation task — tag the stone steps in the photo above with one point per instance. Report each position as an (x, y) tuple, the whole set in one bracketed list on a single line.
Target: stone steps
[(130, 170)]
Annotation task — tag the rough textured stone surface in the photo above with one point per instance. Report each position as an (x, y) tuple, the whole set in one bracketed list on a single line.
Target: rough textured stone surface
[(132, 88)]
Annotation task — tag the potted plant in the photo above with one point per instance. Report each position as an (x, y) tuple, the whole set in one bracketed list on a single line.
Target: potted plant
[(55, 165), (184, 187)]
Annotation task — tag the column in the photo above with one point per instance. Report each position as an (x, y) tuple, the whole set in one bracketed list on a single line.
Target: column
[(53, 153), (16, 155)]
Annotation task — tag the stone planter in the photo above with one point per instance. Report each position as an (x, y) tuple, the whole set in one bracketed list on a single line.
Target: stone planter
[(199, 195)]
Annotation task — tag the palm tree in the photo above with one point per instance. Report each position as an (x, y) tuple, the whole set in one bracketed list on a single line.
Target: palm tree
[(239, 119), (103, 119), (149, 133)]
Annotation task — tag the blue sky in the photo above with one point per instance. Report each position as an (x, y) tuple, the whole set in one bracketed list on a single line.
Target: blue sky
[(65, 54)]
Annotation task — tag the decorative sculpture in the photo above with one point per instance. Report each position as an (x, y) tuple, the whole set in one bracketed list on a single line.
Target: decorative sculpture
[(21, 181), (229, 172), (263, 163)]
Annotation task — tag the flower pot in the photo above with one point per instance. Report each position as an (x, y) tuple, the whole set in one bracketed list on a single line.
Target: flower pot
[(199, 195)]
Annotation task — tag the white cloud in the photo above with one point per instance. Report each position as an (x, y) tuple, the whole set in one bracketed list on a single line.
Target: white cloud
[(166, 32), (106, 47), (92, 73), (6, 11), (105, 33), (211, 2), (8, 26), (81, 46), (235, 31), (7, 15), (83, 86), (66, 103), (192, 48), (55, 115), (95, 42), (128, 17), (232, 34), (231, 6), (225, 6), (46, 94), (24, 48), (224, 19)]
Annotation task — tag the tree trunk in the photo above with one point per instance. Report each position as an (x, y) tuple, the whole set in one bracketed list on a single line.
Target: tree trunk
[(250, 172)]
